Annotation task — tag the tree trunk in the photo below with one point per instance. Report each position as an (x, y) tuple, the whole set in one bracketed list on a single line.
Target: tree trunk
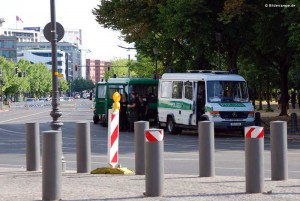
[(268, 93), (284, 69), (232, 56)]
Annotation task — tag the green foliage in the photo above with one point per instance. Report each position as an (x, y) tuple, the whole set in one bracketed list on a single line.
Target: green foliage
[(63, 84), (80, 84), (35, 79)]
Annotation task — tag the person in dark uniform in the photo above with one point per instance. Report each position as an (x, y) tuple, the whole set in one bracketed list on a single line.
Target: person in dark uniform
[(123, 113), (133, 115), (143, 109)]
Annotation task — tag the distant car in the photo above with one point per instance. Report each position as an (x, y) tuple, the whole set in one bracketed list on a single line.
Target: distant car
[(68, 99), (77, 96), (44, 99), (30, 99)]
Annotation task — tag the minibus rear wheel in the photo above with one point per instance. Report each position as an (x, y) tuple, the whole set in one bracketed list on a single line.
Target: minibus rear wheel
[(96, 119), (171, 126)]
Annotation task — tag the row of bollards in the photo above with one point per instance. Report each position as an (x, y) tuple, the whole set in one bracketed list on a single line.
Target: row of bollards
[(52, 156), (254, 155), (149, 149)]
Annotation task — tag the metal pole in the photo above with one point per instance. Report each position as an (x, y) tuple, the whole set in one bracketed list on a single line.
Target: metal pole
[(154, 162), (52, 171), (139, 141), (32, 146), (83, 147), (1, 82), (254, 159), (279, 158), (206, 148), (55, 113)]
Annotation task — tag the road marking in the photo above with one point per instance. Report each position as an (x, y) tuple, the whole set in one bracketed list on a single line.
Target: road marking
[(9, 131), (23, 117)]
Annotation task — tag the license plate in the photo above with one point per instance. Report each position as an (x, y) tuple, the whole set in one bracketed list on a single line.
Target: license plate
[(151, 119), (235, 124)]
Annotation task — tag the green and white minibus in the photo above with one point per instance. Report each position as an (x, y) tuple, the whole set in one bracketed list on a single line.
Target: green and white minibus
[(218, 96), (146, 87)]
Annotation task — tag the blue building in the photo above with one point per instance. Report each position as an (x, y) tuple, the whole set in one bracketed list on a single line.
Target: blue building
[(8, 47)]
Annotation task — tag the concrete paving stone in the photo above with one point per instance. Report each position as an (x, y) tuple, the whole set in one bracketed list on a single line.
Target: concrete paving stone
[(19, 184)]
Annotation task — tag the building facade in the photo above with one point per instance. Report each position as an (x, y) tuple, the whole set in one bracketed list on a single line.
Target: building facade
[(95, 70), (8, 48), (72, 51), (45, 56)]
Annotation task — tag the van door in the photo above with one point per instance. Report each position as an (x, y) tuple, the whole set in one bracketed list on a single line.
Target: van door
[(188, 114), (177, 101), (201, 100)]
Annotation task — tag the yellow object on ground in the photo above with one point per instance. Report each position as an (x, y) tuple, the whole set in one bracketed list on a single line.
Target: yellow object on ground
[(110, 170)]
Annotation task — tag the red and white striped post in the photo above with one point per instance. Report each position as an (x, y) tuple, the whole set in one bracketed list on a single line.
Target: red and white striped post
[(113, 131), (154, 162), (113, 137), (254, 156)]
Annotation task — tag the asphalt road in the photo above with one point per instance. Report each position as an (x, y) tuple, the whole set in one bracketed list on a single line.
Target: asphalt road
[(181, 152)]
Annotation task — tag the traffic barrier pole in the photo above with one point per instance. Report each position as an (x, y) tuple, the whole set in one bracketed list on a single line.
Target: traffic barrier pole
[(279, 159), (254, 157), (83, 147), (32, 146), (154, 162), (113, 137), (206, 148), (139, 139), (52, 171)]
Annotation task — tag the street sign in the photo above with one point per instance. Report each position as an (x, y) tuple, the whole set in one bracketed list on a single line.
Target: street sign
[(59, 31)]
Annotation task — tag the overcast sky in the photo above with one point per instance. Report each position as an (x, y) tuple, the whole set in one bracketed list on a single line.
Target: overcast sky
[(72, 14)]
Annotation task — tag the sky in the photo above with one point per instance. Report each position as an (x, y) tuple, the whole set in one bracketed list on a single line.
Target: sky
[(72, 14)]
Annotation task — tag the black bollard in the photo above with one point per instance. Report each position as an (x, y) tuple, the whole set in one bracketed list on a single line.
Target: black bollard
[(257, 121), (294, 124)]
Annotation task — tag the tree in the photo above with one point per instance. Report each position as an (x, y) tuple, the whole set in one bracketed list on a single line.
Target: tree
[(183, 32), (63, 84), (80, 84)]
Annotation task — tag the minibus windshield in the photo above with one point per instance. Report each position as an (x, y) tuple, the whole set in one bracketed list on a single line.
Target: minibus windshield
[(227, 91)]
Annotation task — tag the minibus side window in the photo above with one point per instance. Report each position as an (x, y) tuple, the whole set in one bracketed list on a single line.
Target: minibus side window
[(101, 91), (188, 90), (177, 89), (166, 89)]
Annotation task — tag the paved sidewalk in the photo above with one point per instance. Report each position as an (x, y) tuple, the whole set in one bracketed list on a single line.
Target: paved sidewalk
[(18, 184)]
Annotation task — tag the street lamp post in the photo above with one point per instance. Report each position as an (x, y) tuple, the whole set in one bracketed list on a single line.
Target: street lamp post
[(55, 113), (1, 83)]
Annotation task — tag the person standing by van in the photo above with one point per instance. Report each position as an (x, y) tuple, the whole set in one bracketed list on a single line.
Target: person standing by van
[(133, 115), (123, 113), (143, 109)]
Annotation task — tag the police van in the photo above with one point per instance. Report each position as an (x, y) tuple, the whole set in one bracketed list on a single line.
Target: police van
[(184, 99)]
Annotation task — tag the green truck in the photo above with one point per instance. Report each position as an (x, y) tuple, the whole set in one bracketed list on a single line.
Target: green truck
[(147, 87)]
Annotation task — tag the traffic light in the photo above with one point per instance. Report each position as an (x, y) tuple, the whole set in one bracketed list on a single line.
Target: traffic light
[(16, 70), (108, 67), (76, 67)]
